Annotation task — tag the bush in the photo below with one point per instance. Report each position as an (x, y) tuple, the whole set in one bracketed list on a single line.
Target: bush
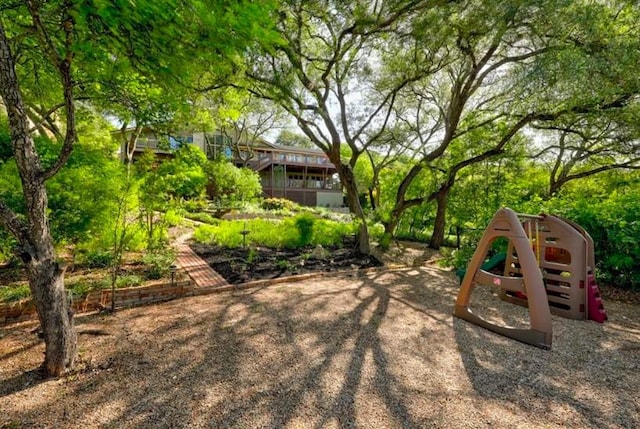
[(14, 293), (96, 258), (172, 218), (230, 185), (129, 280), (613, 225), (304, 223), (158, 263), (195, 205), (279, 204), (294, 232), (202, 217), (82, 288), (7, 246)]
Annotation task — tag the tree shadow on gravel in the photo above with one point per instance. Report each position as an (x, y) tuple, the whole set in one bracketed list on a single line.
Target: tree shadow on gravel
[(543, 382), (296, 356), (357, 351)]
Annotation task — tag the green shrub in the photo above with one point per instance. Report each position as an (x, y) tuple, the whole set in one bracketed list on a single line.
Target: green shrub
[(330, 233), (7, 246), (96, 258), (613, 225), (376, 231), (205, 234), (253, 255), (172, 218), (82, 288), (304, 223), (129, 280), (202, 217), (14, 293), (295, 232), (279, 204), (195, 205), (385, 241), (158, 263)]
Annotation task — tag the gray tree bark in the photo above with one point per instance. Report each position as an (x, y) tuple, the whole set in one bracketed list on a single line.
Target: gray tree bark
[(35, 245)]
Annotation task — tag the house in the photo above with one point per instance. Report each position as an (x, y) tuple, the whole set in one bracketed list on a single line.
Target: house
[(305, 176)]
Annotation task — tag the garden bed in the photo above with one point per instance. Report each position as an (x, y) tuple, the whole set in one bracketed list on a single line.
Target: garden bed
[(241, 265)]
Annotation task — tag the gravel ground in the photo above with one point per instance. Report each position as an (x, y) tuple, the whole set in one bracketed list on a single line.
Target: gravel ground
[(374, 350)]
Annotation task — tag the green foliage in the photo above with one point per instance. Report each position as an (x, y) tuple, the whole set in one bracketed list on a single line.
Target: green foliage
[(230, 185), (14, 293), (279, 204), (7, 246), (184, 175), (292, 139), (195, 205), (172, 217), (202, 217), (163, 185), (77, 287), (330, 233), (81, 195), (613, 223), (82, 288), (304, 223), (293, 232), (129, 280), (283, 264), (95, 258), (158, 263), (253, 255)]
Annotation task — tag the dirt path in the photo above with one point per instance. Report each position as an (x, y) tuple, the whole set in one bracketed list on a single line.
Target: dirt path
[(372, 350)]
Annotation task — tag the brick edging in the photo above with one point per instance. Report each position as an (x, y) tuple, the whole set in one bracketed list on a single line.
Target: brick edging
[(159, 292)]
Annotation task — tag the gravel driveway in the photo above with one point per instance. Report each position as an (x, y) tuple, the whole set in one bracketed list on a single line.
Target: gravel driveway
[(374, 350)]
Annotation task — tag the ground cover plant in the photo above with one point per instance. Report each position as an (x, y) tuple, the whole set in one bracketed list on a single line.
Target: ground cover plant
[(275, 233), (250, 249), (92, 274)]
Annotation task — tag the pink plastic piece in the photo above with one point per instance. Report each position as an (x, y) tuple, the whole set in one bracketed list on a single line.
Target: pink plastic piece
[(597, 312)]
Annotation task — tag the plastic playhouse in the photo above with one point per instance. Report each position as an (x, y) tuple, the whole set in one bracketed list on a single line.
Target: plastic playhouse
[(549, 268)]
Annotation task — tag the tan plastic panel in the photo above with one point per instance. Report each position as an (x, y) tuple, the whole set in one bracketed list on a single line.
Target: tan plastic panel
[(563, 252), (505, 223)]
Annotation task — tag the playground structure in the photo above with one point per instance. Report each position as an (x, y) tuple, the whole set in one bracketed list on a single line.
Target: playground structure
[(549, 268)]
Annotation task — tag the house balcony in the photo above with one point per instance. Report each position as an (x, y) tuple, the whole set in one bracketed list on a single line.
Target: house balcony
[(265, 159)]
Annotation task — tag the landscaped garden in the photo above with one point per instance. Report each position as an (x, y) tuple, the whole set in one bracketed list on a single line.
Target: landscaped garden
[(336, 162)]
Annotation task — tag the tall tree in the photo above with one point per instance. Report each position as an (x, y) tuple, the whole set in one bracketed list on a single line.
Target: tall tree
[(60, 47), (484, 95), (587, 145), (32, 233), (291, 138), (327, 75), (246, 120)]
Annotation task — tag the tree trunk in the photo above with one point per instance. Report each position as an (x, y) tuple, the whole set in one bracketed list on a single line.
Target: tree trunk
[(372, 198), (437, 237), (391, 224), (353, 201), (46, 281)]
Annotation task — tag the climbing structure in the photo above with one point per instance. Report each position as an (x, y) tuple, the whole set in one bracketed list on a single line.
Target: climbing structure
[(549, 268), (528, 282), (564, 252)]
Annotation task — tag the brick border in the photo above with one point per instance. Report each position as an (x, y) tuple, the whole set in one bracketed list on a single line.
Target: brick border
[(203, 281)]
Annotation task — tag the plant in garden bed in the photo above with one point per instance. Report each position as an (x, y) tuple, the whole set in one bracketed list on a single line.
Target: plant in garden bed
[(86, 278), (158, 263), (291, 233), (14, 293)]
